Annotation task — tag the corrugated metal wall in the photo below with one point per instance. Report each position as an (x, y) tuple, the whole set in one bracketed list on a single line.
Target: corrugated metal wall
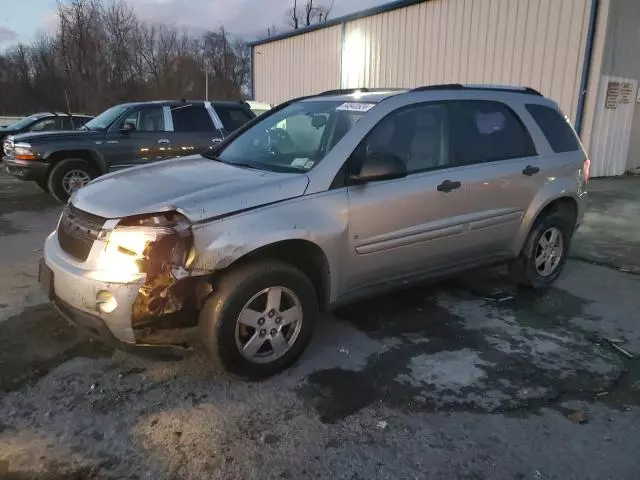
[(621, 59), (297, 66), (539, 43)]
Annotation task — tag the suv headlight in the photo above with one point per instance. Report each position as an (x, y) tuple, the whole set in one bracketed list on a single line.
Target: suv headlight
[(22, 151), (149, 244)]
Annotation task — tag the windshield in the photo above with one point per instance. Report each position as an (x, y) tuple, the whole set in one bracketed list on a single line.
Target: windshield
[(296, 138), (106, 118), (23, 122)]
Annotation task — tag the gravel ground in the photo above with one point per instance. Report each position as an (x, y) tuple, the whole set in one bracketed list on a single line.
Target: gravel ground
[(465, 379)]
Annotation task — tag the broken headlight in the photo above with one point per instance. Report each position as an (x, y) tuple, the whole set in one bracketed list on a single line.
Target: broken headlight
[(149, 244)]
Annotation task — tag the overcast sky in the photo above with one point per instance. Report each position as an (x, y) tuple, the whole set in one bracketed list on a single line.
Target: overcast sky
[(24, 20)]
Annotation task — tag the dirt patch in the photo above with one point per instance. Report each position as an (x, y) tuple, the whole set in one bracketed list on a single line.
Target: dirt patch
[(35, 342)]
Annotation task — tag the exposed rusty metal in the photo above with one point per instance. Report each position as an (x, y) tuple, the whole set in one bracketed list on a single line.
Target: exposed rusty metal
[(169, 290)]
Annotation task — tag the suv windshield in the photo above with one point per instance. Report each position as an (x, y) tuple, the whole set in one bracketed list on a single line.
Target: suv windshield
[(296, 138), (106, 118)]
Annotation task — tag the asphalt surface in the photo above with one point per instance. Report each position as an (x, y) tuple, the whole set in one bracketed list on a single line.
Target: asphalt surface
[(468, 378)]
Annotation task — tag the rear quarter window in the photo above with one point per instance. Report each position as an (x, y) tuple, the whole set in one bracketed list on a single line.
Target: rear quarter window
[(556, 128)]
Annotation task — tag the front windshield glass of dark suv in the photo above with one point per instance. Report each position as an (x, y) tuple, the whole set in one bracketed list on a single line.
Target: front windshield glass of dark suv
[(296, 138), (106, 118)]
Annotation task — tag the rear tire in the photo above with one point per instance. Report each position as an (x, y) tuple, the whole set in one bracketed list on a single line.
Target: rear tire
[(69, 174), (229, 341), (542, 258)]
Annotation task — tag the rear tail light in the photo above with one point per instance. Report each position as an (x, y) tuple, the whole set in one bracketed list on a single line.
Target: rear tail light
[(586, 166)]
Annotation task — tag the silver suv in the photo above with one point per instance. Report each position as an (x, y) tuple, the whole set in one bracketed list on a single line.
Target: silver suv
[(318, 202)]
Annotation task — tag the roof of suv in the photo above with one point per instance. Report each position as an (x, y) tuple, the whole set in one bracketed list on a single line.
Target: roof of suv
[(62, 114), (181, 101), (377, 95)]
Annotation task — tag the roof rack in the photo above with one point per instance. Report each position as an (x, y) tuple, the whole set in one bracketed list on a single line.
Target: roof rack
[(496, 88), (350, 91)]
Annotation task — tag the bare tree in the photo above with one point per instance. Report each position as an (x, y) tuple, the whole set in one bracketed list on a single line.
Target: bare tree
[(102, 54), (309, 14)]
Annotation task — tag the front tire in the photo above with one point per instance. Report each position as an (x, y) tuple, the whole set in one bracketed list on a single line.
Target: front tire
[(69, 175), (544, 254), (259, 319)]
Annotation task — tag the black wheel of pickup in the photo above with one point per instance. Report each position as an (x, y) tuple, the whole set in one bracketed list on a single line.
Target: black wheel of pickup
[(69, 175)]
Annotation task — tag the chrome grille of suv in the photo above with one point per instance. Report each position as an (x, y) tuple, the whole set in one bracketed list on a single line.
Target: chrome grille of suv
[(77, 231)]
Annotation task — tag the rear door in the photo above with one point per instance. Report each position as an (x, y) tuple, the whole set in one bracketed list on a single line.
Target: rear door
[(195, 129), (406, 226), (502, 172)]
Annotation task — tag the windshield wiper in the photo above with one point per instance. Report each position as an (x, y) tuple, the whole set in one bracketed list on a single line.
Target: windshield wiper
[(252, 166), (234, 164)]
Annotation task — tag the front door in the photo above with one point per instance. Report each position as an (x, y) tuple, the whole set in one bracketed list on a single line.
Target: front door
[(148, 141), (412, 225)]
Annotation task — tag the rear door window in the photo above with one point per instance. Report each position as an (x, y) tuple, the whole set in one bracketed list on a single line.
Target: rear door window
[(69, 123), (191, 118), (487, 131), (232, 117), (556, 128)]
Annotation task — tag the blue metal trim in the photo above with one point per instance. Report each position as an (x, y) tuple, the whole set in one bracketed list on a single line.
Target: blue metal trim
[(586, 64), (386, 7)]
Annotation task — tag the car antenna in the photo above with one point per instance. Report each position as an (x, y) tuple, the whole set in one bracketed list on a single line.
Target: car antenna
[(66, 96)]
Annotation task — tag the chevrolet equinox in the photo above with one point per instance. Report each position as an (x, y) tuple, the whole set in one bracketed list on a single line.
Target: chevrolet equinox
[(321, 201)]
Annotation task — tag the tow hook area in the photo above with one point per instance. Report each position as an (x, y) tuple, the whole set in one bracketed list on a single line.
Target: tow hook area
[(165, 311)]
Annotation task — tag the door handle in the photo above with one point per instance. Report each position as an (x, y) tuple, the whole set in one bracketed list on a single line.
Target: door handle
[(530, 170), (448, 185), (216, 140), (164, 141)]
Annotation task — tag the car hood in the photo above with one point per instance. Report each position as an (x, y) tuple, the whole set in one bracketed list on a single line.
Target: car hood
[(199, 188), (57, 136)]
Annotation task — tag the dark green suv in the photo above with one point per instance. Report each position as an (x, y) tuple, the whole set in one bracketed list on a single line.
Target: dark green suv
[(123, 136)]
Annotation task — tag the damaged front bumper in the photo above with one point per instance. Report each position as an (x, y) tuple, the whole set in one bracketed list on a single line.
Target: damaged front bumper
[(146, 308)]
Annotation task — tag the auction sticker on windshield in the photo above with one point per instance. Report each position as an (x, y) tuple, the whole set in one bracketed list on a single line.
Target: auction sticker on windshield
[(356, 107)]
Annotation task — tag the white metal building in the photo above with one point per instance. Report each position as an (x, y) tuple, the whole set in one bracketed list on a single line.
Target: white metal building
[(582, 53)]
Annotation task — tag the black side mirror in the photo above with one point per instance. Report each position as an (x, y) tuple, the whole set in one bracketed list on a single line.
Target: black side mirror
[(377, 167), (127, 127)]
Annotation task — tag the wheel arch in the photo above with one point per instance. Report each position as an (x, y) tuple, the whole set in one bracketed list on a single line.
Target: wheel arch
[(562, 202), (305, 255), (94, 158)]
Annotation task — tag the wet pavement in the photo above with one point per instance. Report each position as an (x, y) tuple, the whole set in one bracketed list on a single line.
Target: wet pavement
[(468, 378), (610, 234)]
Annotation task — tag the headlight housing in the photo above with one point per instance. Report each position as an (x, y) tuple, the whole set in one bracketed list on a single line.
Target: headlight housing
[(22, 151), (149, 244)]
